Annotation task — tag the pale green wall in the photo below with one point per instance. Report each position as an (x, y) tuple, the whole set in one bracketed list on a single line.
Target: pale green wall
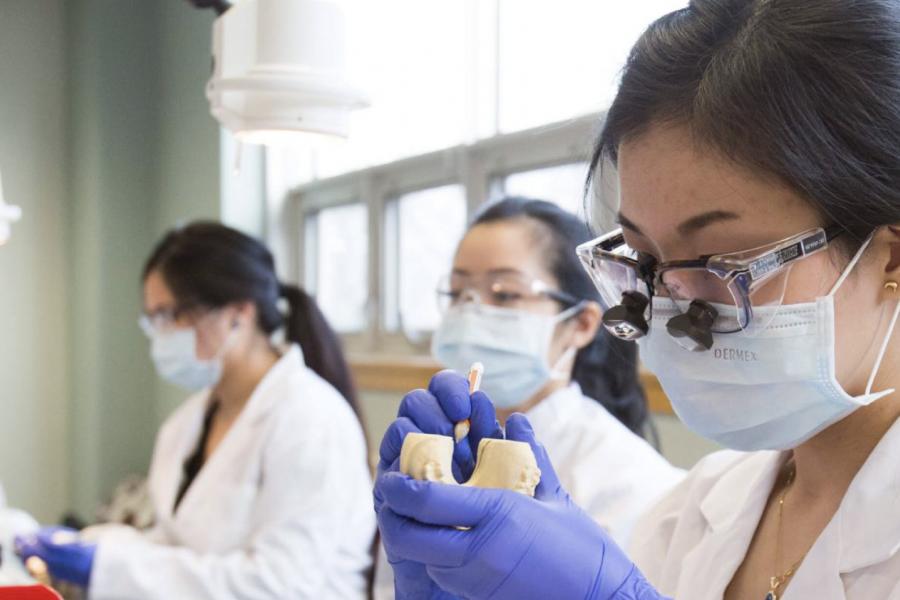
[(188, 172), (143, 155), (33, 297)]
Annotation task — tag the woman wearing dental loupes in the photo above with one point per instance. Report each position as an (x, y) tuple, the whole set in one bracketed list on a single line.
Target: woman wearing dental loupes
[(758, 270)]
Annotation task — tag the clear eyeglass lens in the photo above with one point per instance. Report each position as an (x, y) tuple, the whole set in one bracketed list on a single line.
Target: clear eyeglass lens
[(734, 313), (612, 278), (767, 299), (684, 286), (503, 290)]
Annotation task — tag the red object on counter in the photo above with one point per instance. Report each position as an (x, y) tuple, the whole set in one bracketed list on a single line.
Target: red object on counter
[(29, 592)]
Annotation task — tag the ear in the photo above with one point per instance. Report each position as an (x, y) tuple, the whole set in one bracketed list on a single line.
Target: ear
[(585, 324), (244, 312)]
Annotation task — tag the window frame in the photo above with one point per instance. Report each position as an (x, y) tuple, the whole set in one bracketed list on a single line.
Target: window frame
[(476, 166)]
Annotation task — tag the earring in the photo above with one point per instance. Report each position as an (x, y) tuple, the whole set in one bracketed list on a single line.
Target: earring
[(891, 285)]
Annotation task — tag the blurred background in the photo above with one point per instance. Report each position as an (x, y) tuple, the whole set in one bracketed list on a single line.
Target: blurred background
[(107, 141)]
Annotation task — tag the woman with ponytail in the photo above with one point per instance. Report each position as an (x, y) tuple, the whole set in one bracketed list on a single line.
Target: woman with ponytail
[(518, 301), (260, 480)]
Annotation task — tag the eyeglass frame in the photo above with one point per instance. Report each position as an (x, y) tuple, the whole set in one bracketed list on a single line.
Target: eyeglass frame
[(545, 291), (740, 274), (147, 321)]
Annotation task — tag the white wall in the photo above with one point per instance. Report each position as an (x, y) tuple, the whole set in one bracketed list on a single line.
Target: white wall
[(33, 294)]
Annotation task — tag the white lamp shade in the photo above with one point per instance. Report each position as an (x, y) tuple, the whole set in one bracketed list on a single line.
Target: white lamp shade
[(279, 70)]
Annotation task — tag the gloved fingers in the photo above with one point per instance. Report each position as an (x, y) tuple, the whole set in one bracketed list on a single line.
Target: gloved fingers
[(435, 503), (377, 496), (452, 392), (408, 540), (392, 442), (56, 536), (482, 424), (463, 459), (27, 546), (424, 410), (519, 429)]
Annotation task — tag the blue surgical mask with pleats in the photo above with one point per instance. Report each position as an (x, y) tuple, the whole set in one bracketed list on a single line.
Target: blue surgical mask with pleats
[(513, 345)]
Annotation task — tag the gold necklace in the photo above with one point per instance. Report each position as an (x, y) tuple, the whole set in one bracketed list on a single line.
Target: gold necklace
[(776, 581)]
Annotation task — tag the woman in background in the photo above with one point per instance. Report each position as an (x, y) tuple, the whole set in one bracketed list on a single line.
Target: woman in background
[(259, 480), (519, 301)]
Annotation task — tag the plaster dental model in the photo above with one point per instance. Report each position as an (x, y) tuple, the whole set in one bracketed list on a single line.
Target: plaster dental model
[(500, 464)]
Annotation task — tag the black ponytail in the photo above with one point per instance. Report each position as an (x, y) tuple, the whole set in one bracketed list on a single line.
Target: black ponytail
[(306, 325), (607, 368), (209, 265)]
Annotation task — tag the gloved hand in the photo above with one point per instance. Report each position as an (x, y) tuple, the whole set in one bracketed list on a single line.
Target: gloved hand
[(436, 410), (517, 548), (67, 558)]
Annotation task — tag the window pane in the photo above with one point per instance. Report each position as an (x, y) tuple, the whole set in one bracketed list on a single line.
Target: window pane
[(562, 58), (410, 58), (342, 270), (562, 185), (444, 72), (431, 223)]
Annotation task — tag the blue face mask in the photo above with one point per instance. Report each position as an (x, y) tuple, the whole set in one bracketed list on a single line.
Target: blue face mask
[(175, 357), (511, 344)]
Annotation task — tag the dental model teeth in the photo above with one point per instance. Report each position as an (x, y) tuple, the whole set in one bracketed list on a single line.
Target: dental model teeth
[(500, 464)]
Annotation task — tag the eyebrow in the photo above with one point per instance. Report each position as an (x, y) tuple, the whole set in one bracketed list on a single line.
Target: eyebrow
[(689, 226), (698, 222), (628, 224)]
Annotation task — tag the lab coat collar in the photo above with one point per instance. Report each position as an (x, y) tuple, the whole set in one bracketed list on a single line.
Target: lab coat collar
[(261, 401), (743, 490), (868, 520), (557, 406), (258, 406), (864, 531), (731, 508)]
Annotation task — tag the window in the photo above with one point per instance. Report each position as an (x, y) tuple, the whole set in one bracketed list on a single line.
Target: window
[(562, 58), (422, 230), (441, 73), (409, 57), (336, 259), (563, 185), (470, 100)]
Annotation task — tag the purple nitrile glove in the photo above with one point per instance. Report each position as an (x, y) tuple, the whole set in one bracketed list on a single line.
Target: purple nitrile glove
[(68, 559), (517, 548), (436, 410)]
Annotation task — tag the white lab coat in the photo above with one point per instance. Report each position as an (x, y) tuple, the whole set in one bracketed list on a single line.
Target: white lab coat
[(610, 472), (691, 544), (281, 510)]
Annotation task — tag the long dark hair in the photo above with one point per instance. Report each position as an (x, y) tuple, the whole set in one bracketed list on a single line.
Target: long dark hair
[(805, 92), (210, 265), (606, 369)]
